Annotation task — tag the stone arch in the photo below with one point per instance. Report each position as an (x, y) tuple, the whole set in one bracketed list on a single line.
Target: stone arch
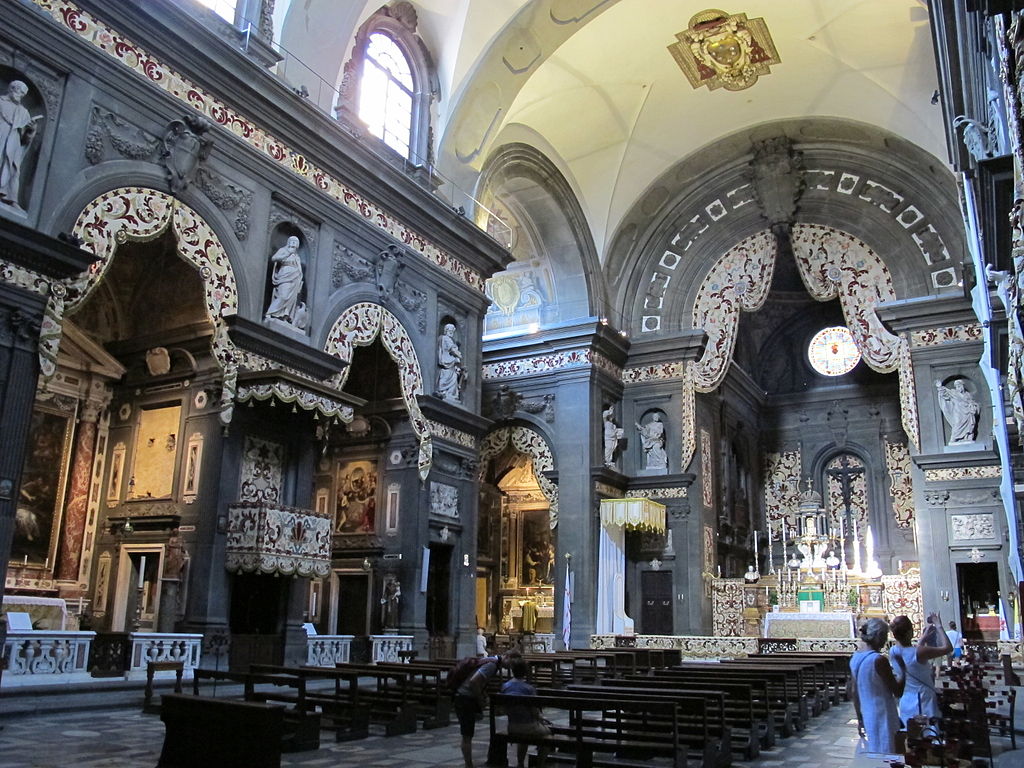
[(832, 264), (358, 326), (531, 443), (551, 241), (143, 214)]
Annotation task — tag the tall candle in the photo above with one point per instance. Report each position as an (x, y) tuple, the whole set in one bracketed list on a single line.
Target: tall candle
[(755, 551), (142, 571)]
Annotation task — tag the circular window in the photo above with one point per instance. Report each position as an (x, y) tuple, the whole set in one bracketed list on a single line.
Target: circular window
[(832, 351)]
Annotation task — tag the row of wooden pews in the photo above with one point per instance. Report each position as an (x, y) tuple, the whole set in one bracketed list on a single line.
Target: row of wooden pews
[(722, 707)]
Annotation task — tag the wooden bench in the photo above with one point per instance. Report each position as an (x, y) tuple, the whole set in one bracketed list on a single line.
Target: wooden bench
[(301, 722), (615, 731), (228, 734), (702, 725), (784, 699), (177, 667)]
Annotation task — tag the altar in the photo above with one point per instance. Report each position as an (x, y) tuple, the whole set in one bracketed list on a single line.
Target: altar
[(809, 625), (48, 613)]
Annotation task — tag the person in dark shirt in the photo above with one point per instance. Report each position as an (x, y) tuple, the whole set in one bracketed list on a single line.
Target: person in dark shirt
[(469, 701), (524, 720)]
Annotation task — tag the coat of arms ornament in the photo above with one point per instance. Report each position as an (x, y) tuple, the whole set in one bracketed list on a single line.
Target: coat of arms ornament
[(186, 145), (722, 50)]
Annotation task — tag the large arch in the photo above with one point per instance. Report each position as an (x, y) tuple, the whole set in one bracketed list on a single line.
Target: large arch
[(142, 214), (531, 443), (358, 326)]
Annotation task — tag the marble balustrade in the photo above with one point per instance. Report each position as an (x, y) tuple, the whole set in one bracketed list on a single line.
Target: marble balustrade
[(44, 657), (163, 646), (328, 650), (386, 647)]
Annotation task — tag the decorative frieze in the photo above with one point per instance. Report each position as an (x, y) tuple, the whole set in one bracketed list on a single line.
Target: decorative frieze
[(953, 334), (991, 472), (659, 372), (452, 435), (533, 366), (270, 538)]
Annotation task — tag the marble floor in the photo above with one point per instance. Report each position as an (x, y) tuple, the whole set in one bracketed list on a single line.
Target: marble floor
[(126, 738)]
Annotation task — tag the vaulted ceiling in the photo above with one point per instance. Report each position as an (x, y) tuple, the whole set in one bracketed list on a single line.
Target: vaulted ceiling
[(593, 86)]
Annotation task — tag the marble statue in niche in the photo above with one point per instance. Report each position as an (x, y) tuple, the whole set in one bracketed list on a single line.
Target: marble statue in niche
[(960, 410), (17, 129), (613, 433), (286, 305), (652, 442), (451, 373)]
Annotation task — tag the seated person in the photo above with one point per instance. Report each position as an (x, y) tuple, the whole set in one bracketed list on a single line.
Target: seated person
[(524, 720)]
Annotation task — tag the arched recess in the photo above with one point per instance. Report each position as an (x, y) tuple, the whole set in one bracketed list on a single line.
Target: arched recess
[(358, 326), (142, 214), (556, 275), (530, 443), (832, 264)]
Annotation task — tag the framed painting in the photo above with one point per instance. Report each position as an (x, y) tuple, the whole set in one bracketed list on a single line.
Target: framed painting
[(538, 549), (356, 508), (44, 480)]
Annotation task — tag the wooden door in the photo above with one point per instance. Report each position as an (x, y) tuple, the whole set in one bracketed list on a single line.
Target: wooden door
[(656, 602)]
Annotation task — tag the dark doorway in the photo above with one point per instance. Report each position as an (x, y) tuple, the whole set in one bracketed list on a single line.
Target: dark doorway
[(656, 602), (439, 596), (257, 620), (353, 596), (978, 588)]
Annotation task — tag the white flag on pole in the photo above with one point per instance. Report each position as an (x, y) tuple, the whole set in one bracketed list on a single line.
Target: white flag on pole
[(567, 608)]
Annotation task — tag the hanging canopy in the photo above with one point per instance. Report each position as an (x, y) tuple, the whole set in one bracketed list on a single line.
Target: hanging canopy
[(633, 514), (291, 390)]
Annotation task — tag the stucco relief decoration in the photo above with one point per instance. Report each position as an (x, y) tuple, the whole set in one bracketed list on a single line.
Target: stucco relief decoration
[(444, 500), (968, 527), (901, 594), (901, 483), (158, 74), (358, 326), (722, 50), (857, 487), (529, 443), (835, 264), (136, 213), (781, 489), (707, 470), (739, 281), (269, 538), (262, 473)]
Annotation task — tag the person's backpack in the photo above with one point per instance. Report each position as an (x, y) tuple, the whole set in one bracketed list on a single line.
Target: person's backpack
[(462, 671)]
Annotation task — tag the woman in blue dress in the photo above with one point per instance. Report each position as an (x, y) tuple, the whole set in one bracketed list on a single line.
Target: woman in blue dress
[(874, 689), (912, 664)]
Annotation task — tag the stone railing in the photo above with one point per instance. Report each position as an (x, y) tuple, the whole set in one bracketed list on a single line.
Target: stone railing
[(328, 650), (539, 643), (702, 647), (43, 657), (162, 646), (1012, 648), (386, 647)]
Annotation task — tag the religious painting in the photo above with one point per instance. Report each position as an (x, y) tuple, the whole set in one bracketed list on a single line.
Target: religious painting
[(44, 478), (156, 452), (356, 510), (538, 550)]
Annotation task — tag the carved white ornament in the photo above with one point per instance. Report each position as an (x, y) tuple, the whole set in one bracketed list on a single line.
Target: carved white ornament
[(968, 527)]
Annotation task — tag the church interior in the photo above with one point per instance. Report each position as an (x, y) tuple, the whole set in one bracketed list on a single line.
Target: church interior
[(340, 331)]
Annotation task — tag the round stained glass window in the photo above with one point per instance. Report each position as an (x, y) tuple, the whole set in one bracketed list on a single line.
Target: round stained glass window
[(832, 351)]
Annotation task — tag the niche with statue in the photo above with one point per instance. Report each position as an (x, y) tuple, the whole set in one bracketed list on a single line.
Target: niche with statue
[(285, 303)]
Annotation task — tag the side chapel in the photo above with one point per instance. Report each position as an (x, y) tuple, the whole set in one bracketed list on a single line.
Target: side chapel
[(333, 333)]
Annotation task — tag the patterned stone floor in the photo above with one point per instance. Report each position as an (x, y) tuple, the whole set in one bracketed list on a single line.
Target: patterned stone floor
[(128, 739)]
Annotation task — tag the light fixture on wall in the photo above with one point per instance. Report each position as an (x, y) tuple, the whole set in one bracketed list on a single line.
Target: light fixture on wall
[(366, 564)]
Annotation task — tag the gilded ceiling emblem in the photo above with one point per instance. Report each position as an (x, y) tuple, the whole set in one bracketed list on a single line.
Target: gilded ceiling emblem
[(722, 50)]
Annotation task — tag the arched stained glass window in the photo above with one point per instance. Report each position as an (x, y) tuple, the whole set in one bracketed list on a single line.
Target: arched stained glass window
[(386, 93)]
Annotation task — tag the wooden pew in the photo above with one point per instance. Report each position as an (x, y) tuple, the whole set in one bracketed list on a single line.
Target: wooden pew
[(228, 734), (301, 724), (810, 677), (622, 732), (784, 698)]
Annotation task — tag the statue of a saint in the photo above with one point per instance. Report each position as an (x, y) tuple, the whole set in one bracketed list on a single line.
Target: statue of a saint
[(175, 558), (389, 603), (17, 129), (451, 375), (960, 410), (287, 279), (652, 440), (612, 434)]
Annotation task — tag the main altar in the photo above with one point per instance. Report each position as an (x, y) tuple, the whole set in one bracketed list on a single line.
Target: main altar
[(821, 585)]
